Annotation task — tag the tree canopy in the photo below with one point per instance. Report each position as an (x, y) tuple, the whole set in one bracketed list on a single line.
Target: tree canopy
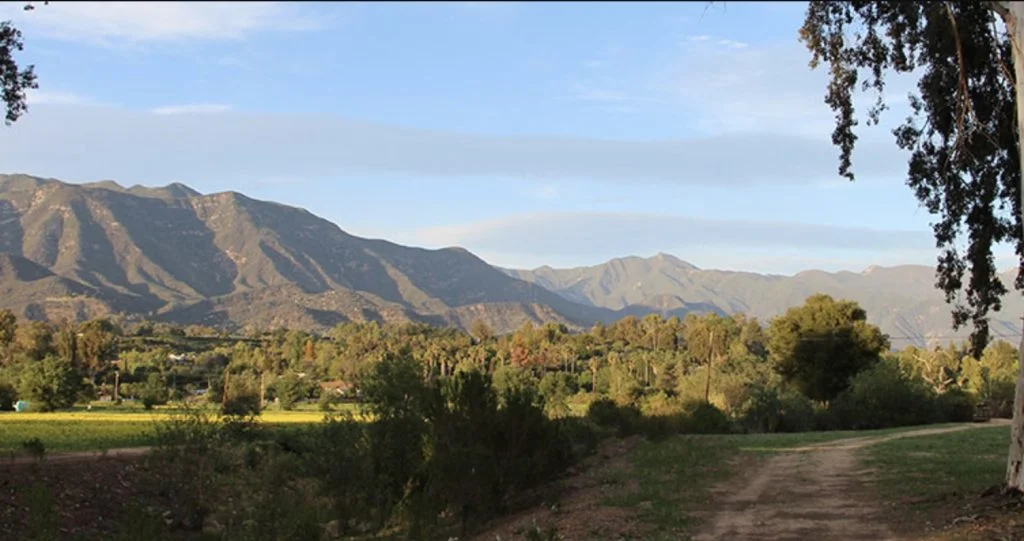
[(819, 346), (962, 137)]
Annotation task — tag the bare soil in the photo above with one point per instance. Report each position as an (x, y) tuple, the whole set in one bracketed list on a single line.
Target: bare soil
[(808, 493), (576, 505)]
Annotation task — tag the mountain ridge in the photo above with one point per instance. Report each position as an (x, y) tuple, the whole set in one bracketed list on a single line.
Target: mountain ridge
[(176, 254), (901, 299), (81, 250)]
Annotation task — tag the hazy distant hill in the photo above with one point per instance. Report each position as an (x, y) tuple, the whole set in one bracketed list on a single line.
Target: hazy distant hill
[(72, 250), (902, 300)]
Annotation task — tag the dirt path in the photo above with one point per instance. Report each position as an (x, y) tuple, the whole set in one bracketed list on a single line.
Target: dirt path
[(77, 456), (808, 493)]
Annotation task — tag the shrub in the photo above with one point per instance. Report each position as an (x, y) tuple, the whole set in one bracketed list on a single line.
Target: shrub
[(705, 418), (997, 396), (241, 405), (770, 409), (604, 412), (8, 396), (955, 406), (884, 396)]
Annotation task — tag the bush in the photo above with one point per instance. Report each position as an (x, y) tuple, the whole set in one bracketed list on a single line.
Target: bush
[(241, 405), (770, 409), (8, 396), (884, 396), (625, 420), (997, 397), (705, 418), (955, 406)]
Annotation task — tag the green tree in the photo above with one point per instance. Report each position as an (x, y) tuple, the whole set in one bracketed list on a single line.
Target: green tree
[(35, 340), (819, 346), (154, 391), (480, 331), (51, 383), (963, 135), (97, 345), (8, 327), (707, 341), (15, 81), (290, 389)]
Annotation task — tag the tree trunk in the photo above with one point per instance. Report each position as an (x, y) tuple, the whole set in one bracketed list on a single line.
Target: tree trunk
[(1014, 19)]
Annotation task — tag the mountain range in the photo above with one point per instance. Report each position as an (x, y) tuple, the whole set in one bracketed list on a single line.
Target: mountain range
[(171, 253)]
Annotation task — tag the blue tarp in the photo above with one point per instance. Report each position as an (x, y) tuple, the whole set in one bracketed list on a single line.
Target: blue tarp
[(20, 406)]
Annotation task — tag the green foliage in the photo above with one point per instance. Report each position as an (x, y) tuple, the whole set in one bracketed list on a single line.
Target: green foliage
[(50, 384), (885, 396), (556, 388), (8, 327), (154, 392), (819, 346), (705, 418), (8, 396), (290, 389), (955, 406), (770, 409), (962, 135)]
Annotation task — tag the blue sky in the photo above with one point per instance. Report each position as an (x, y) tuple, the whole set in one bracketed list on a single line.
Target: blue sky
[(530, 133)]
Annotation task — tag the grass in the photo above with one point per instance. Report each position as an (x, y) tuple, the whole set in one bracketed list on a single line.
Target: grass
[(674, 478), (109, 427), (924, 476)]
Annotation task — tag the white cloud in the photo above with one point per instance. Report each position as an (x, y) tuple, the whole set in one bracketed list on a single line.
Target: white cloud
[(586, 238), (138, 22), (585, 233), (730, 86), (191, 109), (139, 146)]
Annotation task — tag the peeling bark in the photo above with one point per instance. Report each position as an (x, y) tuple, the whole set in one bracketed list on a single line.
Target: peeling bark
[(1013, 15)]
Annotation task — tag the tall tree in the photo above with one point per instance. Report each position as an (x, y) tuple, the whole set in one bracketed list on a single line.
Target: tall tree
[(8, 326), (819, 346), (963, 134), (15, 81)]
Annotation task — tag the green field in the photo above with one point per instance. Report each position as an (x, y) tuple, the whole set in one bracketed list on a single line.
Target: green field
[(111, 427)]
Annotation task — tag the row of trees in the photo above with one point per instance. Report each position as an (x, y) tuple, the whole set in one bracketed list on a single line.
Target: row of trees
[(813, 351)]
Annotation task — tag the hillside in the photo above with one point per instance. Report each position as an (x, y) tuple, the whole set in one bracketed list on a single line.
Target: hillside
[(902, 300), (171, 253)]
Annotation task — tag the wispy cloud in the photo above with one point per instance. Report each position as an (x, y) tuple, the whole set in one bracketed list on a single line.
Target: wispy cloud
[(112, 23), (589, 233), (191, 109), (145, 147)]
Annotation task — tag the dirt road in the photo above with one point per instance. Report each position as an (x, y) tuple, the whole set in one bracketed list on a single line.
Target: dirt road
[(807, 493)]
